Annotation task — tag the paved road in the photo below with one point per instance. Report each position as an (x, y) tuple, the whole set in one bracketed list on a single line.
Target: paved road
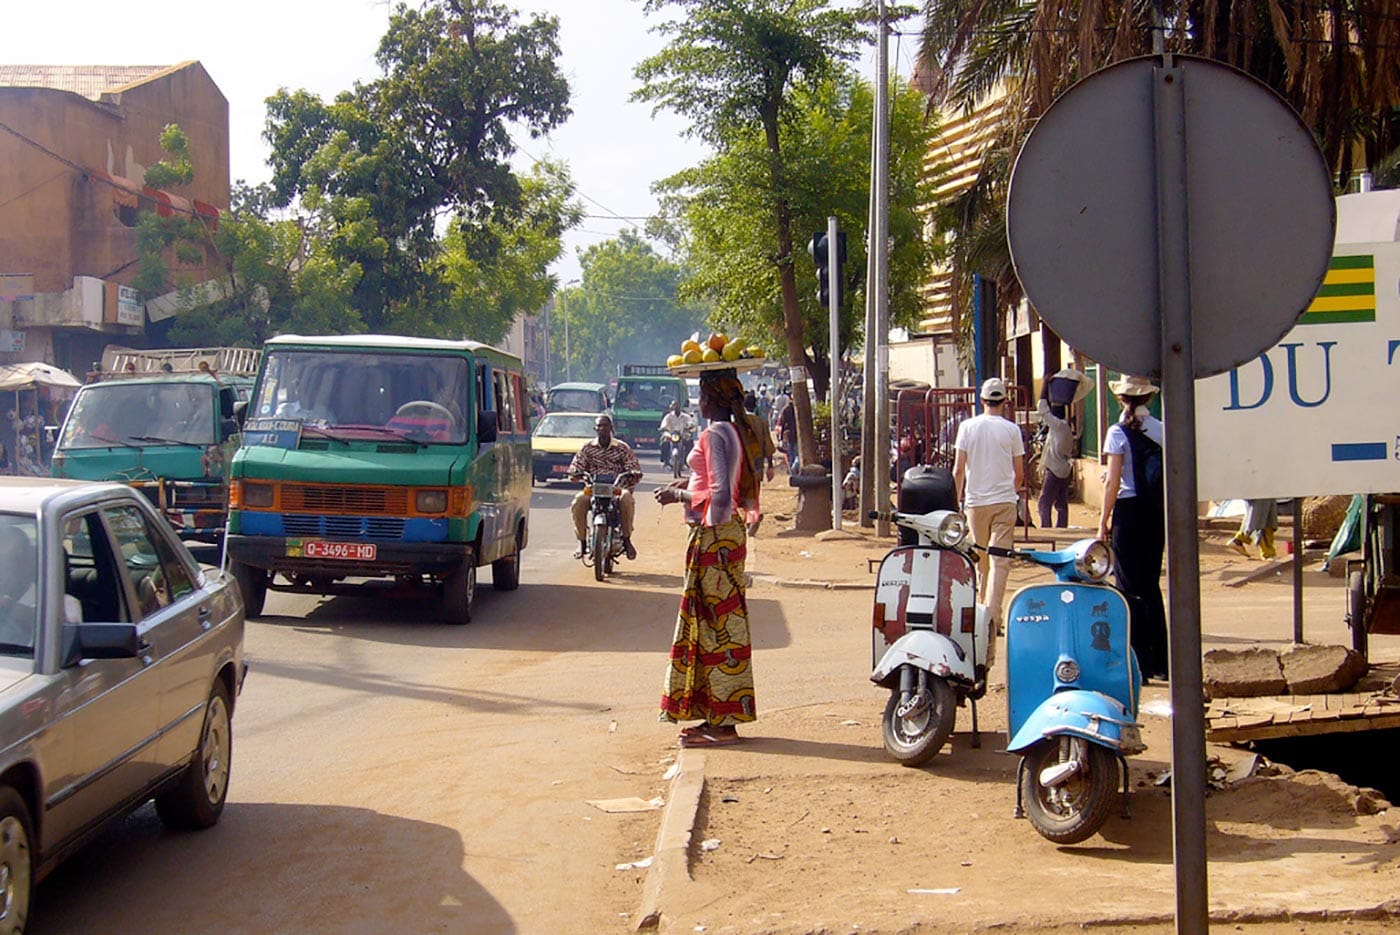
[(394, 774)]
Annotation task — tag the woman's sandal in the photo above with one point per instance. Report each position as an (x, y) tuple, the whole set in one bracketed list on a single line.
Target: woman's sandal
[(710, 737)]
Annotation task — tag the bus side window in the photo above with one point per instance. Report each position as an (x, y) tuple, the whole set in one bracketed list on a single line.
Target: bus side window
[(517, 385)]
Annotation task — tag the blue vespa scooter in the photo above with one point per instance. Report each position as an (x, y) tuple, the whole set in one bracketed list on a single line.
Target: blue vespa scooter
[(1072, 693)]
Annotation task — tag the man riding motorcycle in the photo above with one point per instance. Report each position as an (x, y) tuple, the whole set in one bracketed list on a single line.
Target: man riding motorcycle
[(679, 421), (605, 455)]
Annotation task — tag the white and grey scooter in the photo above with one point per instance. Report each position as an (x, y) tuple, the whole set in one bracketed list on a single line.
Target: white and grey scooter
[(930, 638)]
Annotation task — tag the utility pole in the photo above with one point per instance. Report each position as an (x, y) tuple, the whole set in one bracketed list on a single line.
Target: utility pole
[(880, 246)]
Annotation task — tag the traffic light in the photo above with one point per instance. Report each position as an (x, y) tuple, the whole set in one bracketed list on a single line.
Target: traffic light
[(820, 255)]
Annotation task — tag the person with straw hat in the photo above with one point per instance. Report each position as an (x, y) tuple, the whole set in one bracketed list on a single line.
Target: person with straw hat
[(1133, 520)]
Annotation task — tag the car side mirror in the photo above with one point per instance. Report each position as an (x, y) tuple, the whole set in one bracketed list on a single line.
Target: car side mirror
[(100, 641), (486, 426), (240, 412)]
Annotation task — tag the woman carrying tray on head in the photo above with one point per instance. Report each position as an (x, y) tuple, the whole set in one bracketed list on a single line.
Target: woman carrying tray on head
[(709, 677)]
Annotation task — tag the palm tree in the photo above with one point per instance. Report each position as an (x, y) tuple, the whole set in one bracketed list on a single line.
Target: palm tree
[(1337, 62)]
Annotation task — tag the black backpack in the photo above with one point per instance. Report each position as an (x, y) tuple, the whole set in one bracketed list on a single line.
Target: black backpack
[(1147, 463)]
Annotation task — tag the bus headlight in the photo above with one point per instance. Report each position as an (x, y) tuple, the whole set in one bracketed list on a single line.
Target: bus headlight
[(431, 501), (257, 496)]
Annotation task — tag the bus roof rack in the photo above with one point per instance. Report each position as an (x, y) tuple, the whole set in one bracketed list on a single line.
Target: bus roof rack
[(216, 361)]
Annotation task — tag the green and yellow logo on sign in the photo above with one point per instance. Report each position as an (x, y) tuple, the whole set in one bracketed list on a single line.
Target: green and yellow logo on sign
[(1348, 293)]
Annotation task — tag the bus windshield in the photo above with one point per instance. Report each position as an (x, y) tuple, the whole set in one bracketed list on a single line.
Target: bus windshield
[(368, 393), (140, 415)]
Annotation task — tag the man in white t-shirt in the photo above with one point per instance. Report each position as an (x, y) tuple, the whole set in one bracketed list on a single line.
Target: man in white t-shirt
[(987, 470)]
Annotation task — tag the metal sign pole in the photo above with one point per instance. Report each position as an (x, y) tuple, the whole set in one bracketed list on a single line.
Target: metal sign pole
[(1183, 561)]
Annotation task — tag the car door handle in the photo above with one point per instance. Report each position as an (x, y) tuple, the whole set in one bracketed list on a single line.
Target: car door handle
[(204, 616)]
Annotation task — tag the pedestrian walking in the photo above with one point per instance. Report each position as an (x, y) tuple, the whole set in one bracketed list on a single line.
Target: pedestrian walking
[(988, 467), (1056, 462), (1133, 521), (1257, 528)]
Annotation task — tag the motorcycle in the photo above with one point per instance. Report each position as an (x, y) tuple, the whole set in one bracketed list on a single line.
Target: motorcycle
[(676, 446), (1073, 685), (931, 639), (604, 543)]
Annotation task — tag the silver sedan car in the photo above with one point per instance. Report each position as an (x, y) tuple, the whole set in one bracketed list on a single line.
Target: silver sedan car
[(120, 659)]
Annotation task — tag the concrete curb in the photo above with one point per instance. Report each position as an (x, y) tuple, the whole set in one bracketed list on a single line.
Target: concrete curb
[(814, 583), (670, 865)]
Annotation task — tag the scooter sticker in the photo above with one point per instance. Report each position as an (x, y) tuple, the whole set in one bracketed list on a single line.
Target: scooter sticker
[(1066, 597), (1099, 633)]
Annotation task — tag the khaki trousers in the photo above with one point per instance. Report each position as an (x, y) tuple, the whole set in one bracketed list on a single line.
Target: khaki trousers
[(994, 524)]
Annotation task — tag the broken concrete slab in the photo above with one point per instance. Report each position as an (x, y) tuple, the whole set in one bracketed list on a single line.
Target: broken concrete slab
[(1317, 670), (1242, 673)]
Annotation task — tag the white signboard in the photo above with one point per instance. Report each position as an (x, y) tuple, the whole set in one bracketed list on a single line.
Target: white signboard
[(1318, 413), (129, 310), (11, 342)]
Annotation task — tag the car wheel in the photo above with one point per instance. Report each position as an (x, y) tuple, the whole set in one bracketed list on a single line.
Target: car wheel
[(252, 587), (459, 591), (197, 798), (16, 862), (505, 572)]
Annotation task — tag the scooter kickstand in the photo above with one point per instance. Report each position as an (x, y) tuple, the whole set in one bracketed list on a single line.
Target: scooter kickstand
[(1020, 771), (976, 737), (1123, 764)]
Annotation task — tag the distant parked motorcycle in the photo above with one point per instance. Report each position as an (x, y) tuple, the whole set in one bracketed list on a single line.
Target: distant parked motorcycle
[(604, 543), (1072, 692), (930, 639)]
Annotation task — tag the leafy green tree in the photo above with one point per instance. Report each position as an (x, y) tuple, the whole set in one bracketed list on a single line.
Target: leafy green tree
[(730, 66), (625, 310), (721, 210), (1337, 62), (379, 168), (180, 236)]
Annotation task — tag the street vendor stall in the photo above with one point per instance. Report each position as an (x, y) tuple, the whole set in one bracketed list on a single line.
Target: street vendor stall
[(32, 395)]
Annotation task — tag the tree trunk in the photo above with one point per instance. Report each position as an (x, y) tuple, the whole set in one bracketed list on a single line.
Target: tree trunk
[(787, 281)]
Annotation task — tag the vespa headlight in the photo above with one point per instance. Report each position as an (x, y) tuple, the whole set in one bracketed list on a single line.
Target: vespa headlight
[(431, 501), (1093, 560), (952, 530)]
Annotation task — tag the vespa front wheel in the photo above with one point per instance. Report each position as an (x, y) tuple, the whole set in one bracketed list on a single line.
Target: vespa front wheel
[(601, 549), (1076, 806), (914, 736)]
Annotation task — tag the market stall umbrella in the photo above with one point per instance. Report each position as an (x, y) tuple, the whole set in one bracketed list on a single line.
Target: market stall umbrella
[(34, 374)]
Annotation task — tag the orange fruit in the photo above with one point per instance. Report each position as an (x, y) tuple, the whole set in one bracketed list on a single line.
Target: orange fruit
[(717, 342), (689, 345)]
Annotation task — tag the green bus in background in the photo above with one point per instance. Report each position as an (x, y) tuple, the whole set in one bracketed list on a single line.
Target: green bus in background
[(163, 421), (644, 393), (382, 457)]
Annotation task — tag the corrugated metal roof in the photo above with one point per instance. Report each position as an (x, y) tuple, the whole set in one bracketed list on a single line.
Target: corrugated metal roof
[(91, 81)]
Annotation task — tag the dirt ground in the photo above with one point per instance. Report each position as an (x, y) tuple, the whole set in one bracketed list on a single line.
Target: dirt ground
[(807, 827)]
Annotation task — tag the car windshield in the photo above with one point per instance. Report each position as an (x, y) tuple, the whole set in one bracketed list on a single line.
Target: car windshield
[(367, 394), (557, 425), (19, 585), (575, 400), (648, 394), (141, 415)]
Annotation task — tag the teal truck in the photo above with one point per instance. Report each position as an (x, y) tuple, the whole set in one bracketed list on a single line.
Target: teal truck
[(165, 422), (644, 393)]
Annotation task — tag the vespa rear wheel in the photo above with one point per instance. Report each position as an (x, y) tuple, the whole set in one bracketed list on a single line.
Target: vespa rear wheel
[(1075, 809), (916, 738), (602, 552)]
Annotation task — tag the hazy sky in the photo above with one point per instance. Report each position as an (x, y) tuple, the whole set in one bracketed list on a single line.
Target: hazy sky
[(614, 149)]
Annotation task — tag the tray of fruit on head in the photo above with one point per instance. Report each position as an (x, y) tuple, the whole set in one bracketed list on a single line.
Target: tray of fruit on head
[(717, 352)]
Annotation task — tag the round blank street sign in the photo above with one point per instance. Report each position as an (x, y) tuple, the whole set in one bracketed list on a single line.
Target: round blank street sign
[(1081, 215)]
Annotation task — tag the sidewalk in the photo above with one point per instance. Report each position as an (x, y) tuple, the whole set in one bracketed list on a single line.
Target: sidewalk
[(808, 825)]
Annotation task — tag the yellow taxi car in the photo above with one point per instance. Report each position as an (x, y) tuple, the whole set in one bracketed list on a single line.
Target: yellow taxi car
[(557, 438)]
